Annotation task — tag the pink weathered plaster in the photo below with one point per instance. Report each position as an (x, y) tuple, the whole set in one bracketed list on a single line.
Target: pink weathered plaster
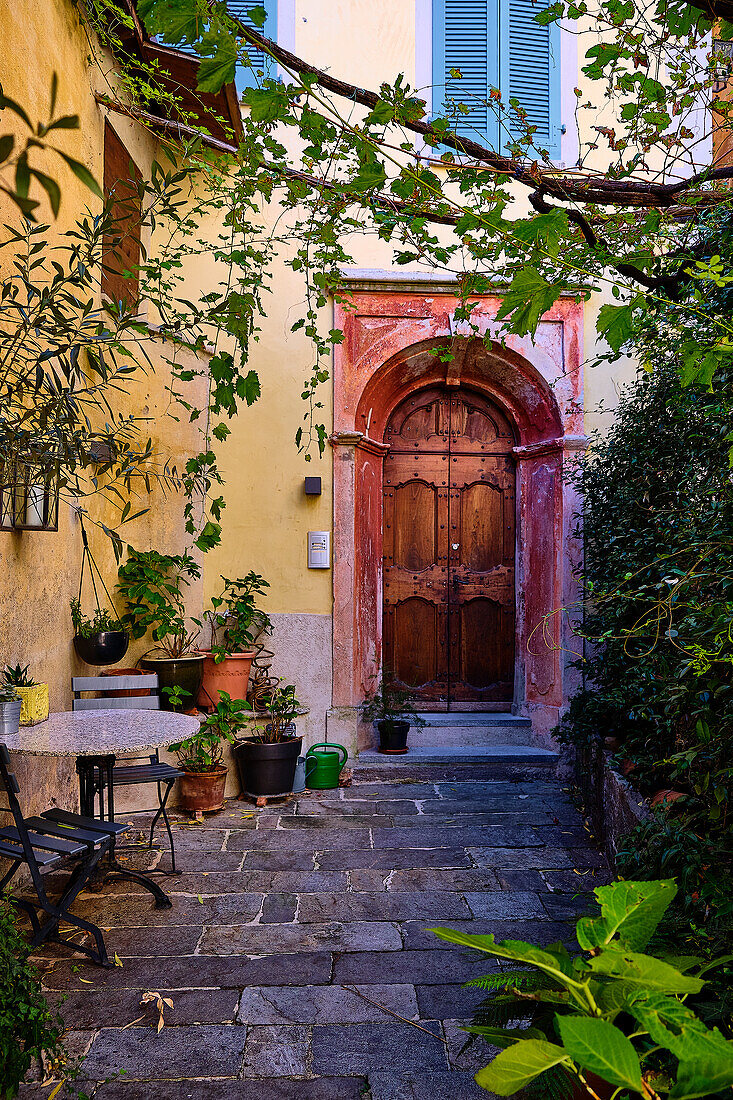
[(392, 341)]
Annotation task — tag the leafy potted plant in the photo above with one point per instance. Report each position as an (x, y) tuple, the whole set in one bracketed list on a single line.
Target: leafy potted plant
[(10, 704), (153, 586), (200, 756), (235, 622), (267, 758), (391, 709), (101, 640), (33, 696), (614, 1021)]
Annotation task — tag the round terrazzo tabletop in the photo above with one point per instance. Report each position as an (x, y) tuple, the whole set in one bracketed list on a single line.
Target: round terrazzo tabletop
[(102, 732)]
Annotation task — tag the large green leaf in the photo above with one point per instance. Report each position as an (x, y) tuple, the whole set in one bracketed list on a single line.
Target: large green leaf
[(643, 970), (527, 297), (616, 324), (701, 1077), (673, 1025), (218, 70), (629, 910), (516, 1067), (550, 961), (598, 1046)]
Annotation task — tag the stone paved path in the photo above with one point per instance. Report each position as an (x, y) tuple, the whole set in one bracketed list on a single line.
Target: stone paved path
[(299, 936)]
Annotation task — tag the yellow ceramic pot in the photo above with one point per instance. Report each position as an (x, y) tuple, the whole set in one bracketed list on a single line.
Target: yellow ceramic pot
[(34, 704)]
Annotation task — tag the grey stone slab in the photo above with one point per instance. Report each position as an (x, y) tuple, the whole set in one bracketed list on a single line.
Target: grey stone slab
[(444, 878), (409, 967), (190, 838), (134, 942), (140, 911), (391, 858), (250, 882), (279, 859), (321, 1088), (562, 836), (324, 1004), (393, 791), (318, 823), (368, 878), (503, 804), (117, 1007), (272, 938), (521, 880), (364, 1048), (568, 906), (506, 905), (204, 860), (456, 836), (215, 1050), (417, 934), (447, 1002), (276, 1050), (197, 972), (573, 880), (469, 1052), (279, 908), (414, 1085), (541, 859), (335, 808), (300, 839), (398, 807), (397, 905)]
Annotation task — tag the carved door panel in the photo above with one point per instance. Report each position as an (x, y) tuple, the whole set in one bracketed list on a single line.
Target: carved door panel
[(449, 549), (415, 623)]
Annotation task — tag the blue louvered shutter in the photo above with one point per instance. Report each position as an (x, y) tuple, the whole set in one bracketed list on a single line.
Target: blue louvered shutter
[(465, 38), (530, 68), (247, 77)]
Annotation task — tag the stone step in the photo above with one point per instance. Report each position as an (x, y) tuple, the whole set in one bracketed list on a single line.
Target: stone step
[(480, 729), (462, 754), (476, 718)]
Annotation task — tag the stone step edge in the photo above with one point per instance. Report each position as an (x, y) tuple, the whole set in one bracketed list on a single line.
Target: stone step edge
[(469, 754), (475, 718)]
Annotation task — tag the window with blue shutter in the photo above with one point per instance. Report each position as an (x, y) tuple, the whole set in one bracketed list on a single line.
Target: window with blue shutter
[(497, 44), (247, 77)]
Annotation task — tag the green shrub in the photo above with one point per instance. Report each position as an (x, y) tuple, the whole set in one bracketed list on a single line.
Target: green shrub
[(28, 1027)]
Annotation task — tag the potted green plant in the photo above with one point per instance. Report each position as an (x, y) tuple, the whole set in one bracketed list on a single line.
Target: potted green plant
[(101, 640), (153, 587), (613, 1021), (267, 758), (33, 696), (235, 622), (10, 704), (391, 709), (200, 756)]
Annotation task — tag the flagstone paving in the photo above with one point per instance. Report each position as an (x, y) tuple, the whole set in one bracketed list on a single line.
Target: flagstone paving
[(298, 954)]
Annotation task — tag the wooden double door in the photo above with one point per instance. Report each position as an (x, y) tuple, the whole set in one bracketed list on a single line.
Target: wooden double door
[(449, 549)]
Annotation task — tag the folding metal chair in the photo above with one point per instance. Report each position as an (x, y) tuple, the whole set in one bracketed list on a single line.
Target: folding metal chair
[(46, 843), (128, 774)]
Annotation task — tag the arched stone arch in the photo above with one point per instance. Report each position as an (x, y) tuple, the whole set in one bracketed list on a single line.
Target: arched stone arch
[(539, 388)]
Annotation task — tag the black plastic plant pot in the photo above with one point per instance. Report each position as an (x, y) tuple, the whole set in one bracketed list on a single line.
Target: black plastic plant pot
[(393, 736), (267, 769), (183, 672), (106, 648)]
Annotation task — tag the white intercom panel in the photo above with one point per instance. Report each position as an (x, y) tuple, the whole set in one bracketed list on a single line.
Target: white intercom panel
[(319, 549)]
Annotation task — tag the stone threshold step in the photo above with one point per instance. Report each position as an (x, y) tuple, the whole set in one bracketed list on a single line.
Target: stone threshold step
[(476, 718), (462, 754)]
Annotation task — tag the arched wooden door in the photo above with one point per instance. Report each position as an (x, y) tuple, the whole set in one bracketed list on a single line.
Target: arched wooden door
[(449, 519)]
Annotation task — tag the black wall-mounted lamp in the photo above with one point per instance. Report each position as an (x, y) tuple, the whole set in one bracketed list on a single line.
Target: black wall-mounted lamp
[(313, 487)]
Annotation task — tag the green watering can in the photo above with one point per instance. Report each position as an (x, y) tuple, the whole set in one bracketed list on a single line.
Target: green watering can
[(323, 764)]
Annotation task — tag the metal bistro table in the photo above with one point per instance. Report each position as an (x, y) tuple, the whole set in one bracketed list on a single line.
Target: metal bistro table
[(95, 738)]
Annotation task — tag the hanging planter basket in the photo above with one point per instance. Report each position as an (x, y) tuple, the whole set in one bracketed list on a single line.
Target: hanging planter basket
[(106, 648)]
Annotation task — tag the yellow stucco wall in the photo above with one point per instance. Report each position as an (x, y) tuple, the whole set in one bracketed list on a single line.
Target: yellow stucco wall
[(39, 572)]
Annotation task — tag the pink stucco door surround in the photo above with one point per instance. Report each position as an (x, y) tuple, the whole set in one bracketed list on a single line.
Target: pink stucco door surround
[(396, 333)]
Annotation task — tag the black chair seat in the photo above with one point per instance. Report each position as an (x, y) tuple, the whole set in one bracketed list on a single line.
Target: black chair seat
[(90, 824), (10, 850), (129, 774), (66, 846)]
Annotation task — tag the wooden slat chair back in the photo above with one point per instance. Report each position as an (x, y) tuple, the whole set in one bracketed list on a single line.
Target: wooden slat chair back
[(44, 843), (129, 773)]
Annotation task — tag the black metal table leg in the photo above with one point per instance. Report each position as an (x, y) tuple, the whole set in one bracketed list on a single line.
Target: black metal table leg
[(86, 767)]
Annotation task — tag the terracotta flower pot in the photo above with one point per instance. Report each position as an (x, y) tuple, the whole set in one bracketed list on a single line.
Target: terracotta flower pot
[(127, 693), (230, 675), (203, 791)]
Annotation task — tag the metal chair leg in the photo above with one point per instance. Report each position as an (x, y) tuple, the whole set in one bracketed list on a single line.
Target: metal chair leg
[(162, 812)]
